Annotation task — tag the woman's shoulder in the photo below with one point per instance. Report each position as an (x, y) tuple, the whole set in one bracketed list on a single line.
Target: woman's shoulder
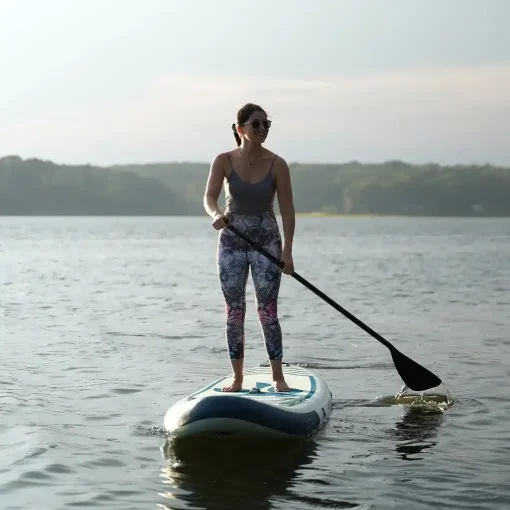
[(222, 159), (278, 162), (277, 159)]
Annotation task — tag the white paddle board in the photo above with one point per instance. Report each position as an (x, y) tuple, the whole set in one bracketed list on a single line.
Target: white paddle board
[(257, 409)]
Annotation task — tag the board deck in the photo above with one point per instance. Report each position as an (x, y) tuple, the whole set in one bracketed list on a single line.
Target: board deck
[(257, 408), (258, 383)]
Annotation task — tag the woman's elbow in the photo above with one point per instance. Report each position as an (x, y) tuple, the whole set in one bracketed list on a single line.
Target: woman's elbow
[(287, 210)]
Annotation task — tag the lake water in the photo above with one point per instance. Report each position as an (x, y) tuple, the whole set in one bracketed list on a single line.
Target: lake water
[(106, 322)]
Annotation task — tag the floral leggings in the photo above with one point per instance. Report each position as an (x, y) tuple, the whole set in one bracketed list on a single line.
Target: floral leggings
[(235, 257)]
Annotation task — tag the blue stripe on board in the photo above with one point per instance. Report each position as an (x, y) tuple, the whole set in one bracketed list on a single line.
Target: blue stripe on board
[(252, 411)]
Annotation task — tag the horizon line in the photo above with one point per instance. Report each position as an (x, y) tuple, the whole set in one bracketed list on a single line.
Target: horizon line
[(290, 163)]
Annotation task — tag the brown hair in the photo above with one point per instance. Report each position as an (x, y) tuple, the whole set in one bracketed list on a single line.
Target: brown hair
[(243, 115)]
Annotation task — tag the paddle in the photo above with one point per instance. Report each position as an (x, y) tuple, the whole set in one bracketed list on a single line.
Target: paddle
[(415, 376)]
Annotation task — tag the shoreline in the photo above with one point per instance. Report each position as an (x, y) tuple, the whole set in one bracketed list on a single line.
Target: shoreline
[(381, 215), (277, 214)]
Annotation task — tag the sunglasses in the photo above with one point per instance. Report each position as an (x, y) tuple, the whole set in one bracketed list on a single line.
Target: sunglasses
[(255, 124)]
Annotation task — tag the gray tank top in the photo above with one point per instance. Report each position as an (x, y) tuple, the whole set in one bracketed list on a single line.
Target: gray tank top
[(246, 198)]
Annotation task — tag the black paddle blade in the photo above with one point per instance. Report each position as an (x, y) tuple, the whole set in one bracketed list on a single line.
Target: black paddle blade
[(416, 377)]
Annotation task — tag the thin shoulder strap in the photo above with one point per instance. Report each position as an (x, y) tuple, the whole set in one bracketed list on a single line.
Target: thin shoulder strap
[(229, 160), (272, 163)]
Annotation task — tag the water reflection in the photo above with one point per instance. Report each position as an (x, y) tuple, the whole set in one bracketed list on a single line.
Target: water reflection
[(416, 431), (225, 473)]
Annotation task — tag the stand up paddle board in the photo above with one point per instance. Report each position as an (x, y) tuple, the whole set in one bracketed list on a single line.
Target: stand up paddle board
[(257, 409)]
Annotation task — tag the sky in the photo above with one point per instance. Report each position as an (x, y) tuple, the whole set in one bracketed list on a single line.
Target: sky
[(123, 81)]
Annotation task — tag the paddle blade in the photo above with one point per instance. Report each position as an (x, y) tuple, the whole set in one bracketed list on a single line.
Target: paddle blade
[(415, 376)]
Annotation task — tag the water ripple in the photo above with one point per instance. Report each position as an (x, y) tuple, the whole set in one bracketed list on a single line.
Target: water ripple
[(101, 334)]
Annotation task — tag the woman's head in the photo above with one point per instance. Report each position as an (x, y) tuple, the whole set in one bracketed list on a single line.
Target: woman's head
[(252, 123)]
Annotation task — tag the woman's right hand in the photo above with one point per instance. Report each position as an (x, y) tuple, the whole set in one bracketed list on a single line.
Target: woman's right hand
[(220, 221)]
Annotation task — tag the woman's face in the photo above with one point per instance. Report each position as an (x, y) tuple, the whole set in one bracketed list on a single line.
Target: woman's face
[(256, 127)]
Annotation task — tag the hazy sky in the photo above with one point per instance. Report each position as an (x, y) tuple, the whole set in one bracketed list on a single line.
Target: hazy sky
[(116, 81)]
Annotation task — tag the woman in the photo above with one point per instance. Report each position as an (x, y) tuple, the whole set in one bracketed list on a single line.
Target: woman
[(252, 175)]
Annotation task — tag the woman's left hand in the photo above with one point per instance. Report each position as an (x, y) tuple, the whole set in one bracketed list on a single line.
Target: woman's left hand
[(286, 258)]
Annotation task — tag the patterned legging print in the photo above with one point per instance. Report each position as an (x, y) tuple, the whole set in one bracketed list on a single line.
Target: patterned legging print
[(235, 258)]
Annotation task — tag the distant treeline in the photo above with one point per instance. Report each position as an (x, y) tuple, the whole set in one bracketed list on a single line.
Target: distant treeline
[(36, 187)]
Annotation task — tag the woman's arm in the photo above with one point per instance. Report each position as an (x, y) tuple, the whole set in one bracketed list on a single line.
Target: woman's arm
[(286, 203), (213, 187)]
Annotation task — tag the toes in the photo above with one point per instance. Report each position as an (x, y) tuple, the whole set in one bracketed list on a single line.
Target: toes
[(231, 388)]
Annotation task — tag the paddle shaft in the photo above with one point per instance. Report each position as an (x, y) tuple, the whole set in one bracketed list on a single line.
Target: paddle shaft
[(314, 289)]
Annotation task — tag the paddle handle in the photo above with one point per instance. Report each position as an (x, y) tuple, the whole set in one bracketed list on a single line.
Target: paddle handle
[(313, 288)]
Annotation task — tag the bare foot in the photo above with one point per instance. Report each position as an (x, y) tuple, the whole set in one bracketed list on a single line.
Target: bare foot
[(235, 386), (281, 385)]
